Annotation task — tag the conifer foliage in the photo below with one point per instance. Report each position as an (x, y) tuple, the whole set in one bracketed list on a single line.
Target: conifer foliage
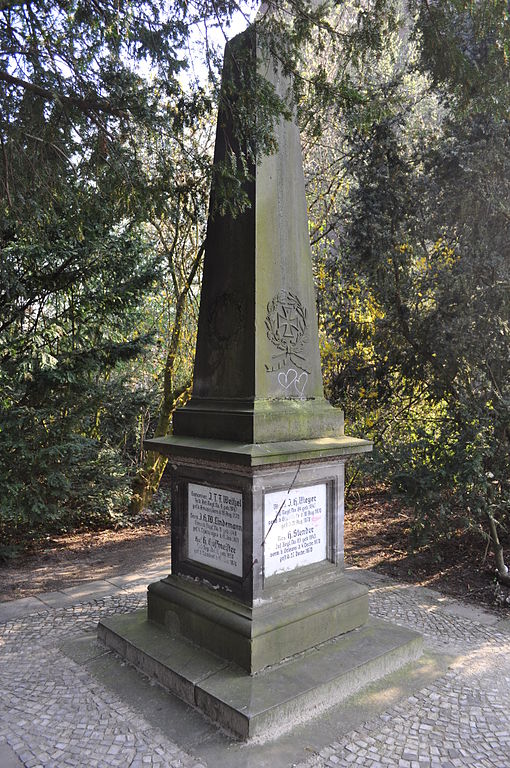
[(106, 109), (415, 272), (91, 113)]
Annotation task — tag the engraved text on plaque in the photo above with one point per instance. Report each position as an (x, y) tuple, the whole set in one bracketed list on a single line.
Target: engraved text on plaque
[(215, 528), (295, 528)]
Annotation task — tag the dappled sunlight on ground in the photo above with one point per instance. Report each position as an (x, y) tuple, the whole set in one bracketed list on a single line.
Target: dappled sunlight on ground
[(377, 534)]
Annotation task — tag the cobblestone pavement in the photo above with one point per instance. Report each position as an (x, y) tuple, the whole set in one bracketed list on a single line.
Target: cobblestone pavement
[(461, 720), (53, 713)]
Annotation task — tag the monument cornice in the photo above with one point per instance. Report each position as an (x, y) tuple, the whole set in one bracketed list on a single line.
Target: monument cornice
[(181, 447)]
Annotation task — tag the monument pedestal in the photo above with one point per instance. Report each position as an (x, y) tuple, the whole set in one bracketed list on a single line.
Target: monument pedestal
[(276, 699), (309, 612), (257, 548)]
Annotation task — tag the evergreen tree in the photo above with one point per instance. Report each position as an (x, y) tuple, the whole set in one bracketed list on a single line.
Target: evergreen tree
[(99, 170), (415, 300)]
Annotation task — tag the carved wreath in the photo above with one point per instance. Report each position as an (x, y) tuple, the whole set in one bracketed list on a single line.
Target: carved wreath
[(286, 329)]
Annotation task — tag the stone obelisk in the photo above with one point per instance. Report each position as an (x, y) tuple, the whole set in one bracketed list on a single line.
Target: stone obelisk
[(257, 374), (257, 459)]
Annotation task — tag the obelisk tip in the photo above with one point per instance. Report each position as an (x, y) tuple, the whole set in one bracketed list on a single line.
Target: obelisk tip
[(263, 11)]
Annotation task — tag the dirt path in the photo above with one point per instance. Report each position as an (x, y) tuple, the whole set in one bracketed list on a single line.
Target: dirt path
[(65, 561), (375, 537)]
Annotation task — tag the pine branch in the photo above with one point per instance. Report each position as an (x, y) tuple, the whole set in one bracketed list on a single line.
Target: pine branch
[(85, 105)]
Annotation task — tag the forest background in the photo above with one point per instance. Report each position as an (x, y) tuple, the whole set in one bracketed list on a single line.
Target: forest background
[(107, 119)]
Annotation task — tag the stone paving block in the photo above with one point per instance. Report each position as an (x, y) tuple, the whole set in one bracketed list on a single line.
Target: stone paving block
[(8, 758), (54, 711), (14, 609), (90, 590), (56, 599), (471, 612), (129, 579), (365, 577)]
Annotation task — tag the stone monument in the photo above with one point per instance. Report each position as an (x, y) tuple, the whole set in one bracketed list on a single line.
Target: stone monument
[(257, 625)]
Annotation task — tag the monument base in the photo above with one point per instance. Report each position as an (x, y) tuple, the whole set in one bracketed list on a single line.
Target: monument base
[(278, 698), (257, 549), (312, 607)]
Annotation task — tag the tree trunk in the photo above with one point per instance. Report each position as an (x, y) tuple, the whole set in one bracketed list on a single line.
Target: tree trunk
[(502, 574), (146, 482), (147, 479)]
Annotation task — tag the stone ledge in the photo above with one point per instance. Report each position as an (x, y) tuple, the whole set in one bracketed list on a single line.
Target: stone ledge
[(259, 636), (275, 700), (17, 609), (258, 454)]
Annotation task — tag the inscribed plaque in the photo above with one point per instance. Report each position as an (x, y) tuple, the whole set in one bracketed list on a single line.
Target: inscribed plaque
[(215, 528), (295, 528)]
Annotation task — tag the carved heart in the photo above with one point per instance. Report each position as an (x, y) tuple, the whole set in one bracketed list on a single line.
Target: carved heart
[(287, 379), (300, 383)]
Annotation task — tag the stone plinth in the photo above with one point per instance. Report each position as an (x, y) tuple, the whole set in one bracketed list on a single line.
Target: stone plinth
[(258, 626), (257, 549), (275, 700)]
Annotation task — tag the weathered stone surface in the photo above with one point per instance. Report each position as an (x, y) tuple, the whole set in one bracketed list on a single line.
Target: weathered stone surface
[(258, 454), (253, 485), (257, 472), (271, 702), (262, 635), (257, 371), (251, 580), (230, 604)]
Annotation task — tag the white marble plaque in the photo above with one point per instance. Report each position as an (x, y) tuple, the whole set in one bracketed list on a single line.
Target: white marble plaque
[(295, 528), (215, 528)]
